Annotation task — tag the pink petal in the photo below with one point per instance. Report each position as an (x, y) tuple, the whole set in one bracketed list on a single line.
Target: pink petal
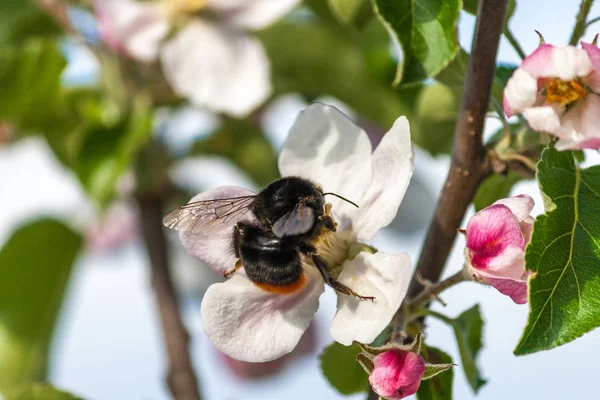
[(520, 205), (593, 53), (513, 288), (566, 63), (216, 249), (250, 324), (251, 14), (526, 228), (593, 79), (397, 374), (133, 27), (510, 263), (580, 125), (539, 63), (393, 165), (490, 232)]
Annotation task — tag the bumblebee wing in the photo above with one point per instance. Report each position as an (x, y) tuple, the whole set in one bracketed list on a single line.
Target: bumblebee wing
[(298, 221), (209, 216)]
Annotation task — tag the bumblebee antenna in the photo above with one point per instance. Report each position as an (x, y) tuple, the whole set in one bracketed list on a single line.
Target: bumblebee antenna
[(343, 198)]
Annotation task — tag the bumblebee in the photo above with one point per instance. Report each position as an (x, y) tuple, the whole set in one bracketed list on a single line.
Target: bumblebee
[(291, 215)]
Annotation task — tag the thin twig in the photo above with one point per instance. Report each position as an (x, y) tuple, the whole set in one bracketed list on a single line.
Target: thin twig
[(520, 158), (181, 378), (432, 291), (514, 43), (470, 165), (591, 22), (581, 21)]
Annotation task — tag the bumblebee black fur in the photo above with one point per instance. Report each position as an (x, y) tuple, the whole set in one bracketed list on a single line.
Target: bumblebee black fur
[(267, 258), (275, 263)]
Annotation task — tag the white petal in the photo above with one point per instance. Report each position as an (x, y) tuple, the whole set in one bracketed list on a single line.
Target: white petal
[(549, 61), (520, 206), (326, 147), (384, 276), (136, 27), (520, 92), (251, 14), (250, 324), (570, 62), (545, 118), (216, 249), (393, 165), (580, 124), (220, 69)]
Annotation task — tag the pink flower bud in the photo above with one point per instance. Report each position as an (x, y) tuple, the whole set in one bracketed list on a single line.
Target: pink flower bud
[(496, 241), (397, 374)]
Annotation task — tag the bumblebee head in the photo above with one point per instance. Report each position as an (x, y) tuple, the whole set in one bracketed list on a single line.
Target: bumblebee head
[(284, 195)]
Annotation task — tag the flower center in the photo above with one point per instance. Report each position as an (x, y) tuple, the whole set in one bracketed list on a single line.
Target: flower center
[(564, 92), (334, 247), (185, 6)]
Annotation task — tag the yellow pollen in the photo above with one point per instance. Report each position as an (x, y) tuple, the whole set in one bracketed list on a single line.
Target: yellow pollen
[(564, 92), (185, 6)]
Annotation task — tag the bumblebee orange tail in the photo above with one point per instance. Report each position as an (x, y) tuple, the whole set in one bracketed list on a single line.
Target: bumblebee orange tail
[(293, 287)]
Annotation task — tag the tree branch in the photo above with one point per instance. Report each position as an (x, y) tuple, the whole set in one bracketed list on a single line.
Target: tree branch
[(470, 165), (581, 21), (181, 378)]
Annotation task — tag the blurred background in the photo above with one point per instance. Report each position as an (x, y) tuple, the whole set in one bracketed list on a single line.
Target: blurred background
[(97, 111)]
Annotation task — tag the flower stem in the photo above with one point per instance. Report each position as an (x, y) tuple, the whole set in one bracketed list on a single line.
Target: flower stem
[(435, 314), (431, 292), (470, 163), (181, 378), (581, 21), (519, 158), (591, 22), (514, 43)]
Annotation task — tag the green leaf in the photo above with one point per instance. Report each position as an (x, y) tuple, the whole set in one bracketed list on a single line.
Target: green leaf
[(564, 255), (468, 328), (30, 75), (40, 391), (322, 62), (438, 387), (108, 150), (339, 366), (432, 370), (35, 265), (454, 74), (351, 11), (426, 30), (435, 115), (24, 19), (494, 188)]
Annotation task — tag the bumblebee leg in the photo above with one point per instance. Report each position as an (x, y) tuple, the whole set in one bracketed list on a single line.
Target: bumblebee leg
[(340, 287), (238, 265)]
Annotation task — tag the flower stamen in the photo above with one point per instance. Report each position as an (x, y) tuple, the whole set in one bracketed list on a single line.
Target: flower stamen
[(564, 92), (185, 6)]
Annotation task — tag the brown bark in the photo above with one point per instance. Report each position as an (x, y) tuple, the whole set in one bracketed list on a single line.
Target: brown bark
[(181, 378)]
